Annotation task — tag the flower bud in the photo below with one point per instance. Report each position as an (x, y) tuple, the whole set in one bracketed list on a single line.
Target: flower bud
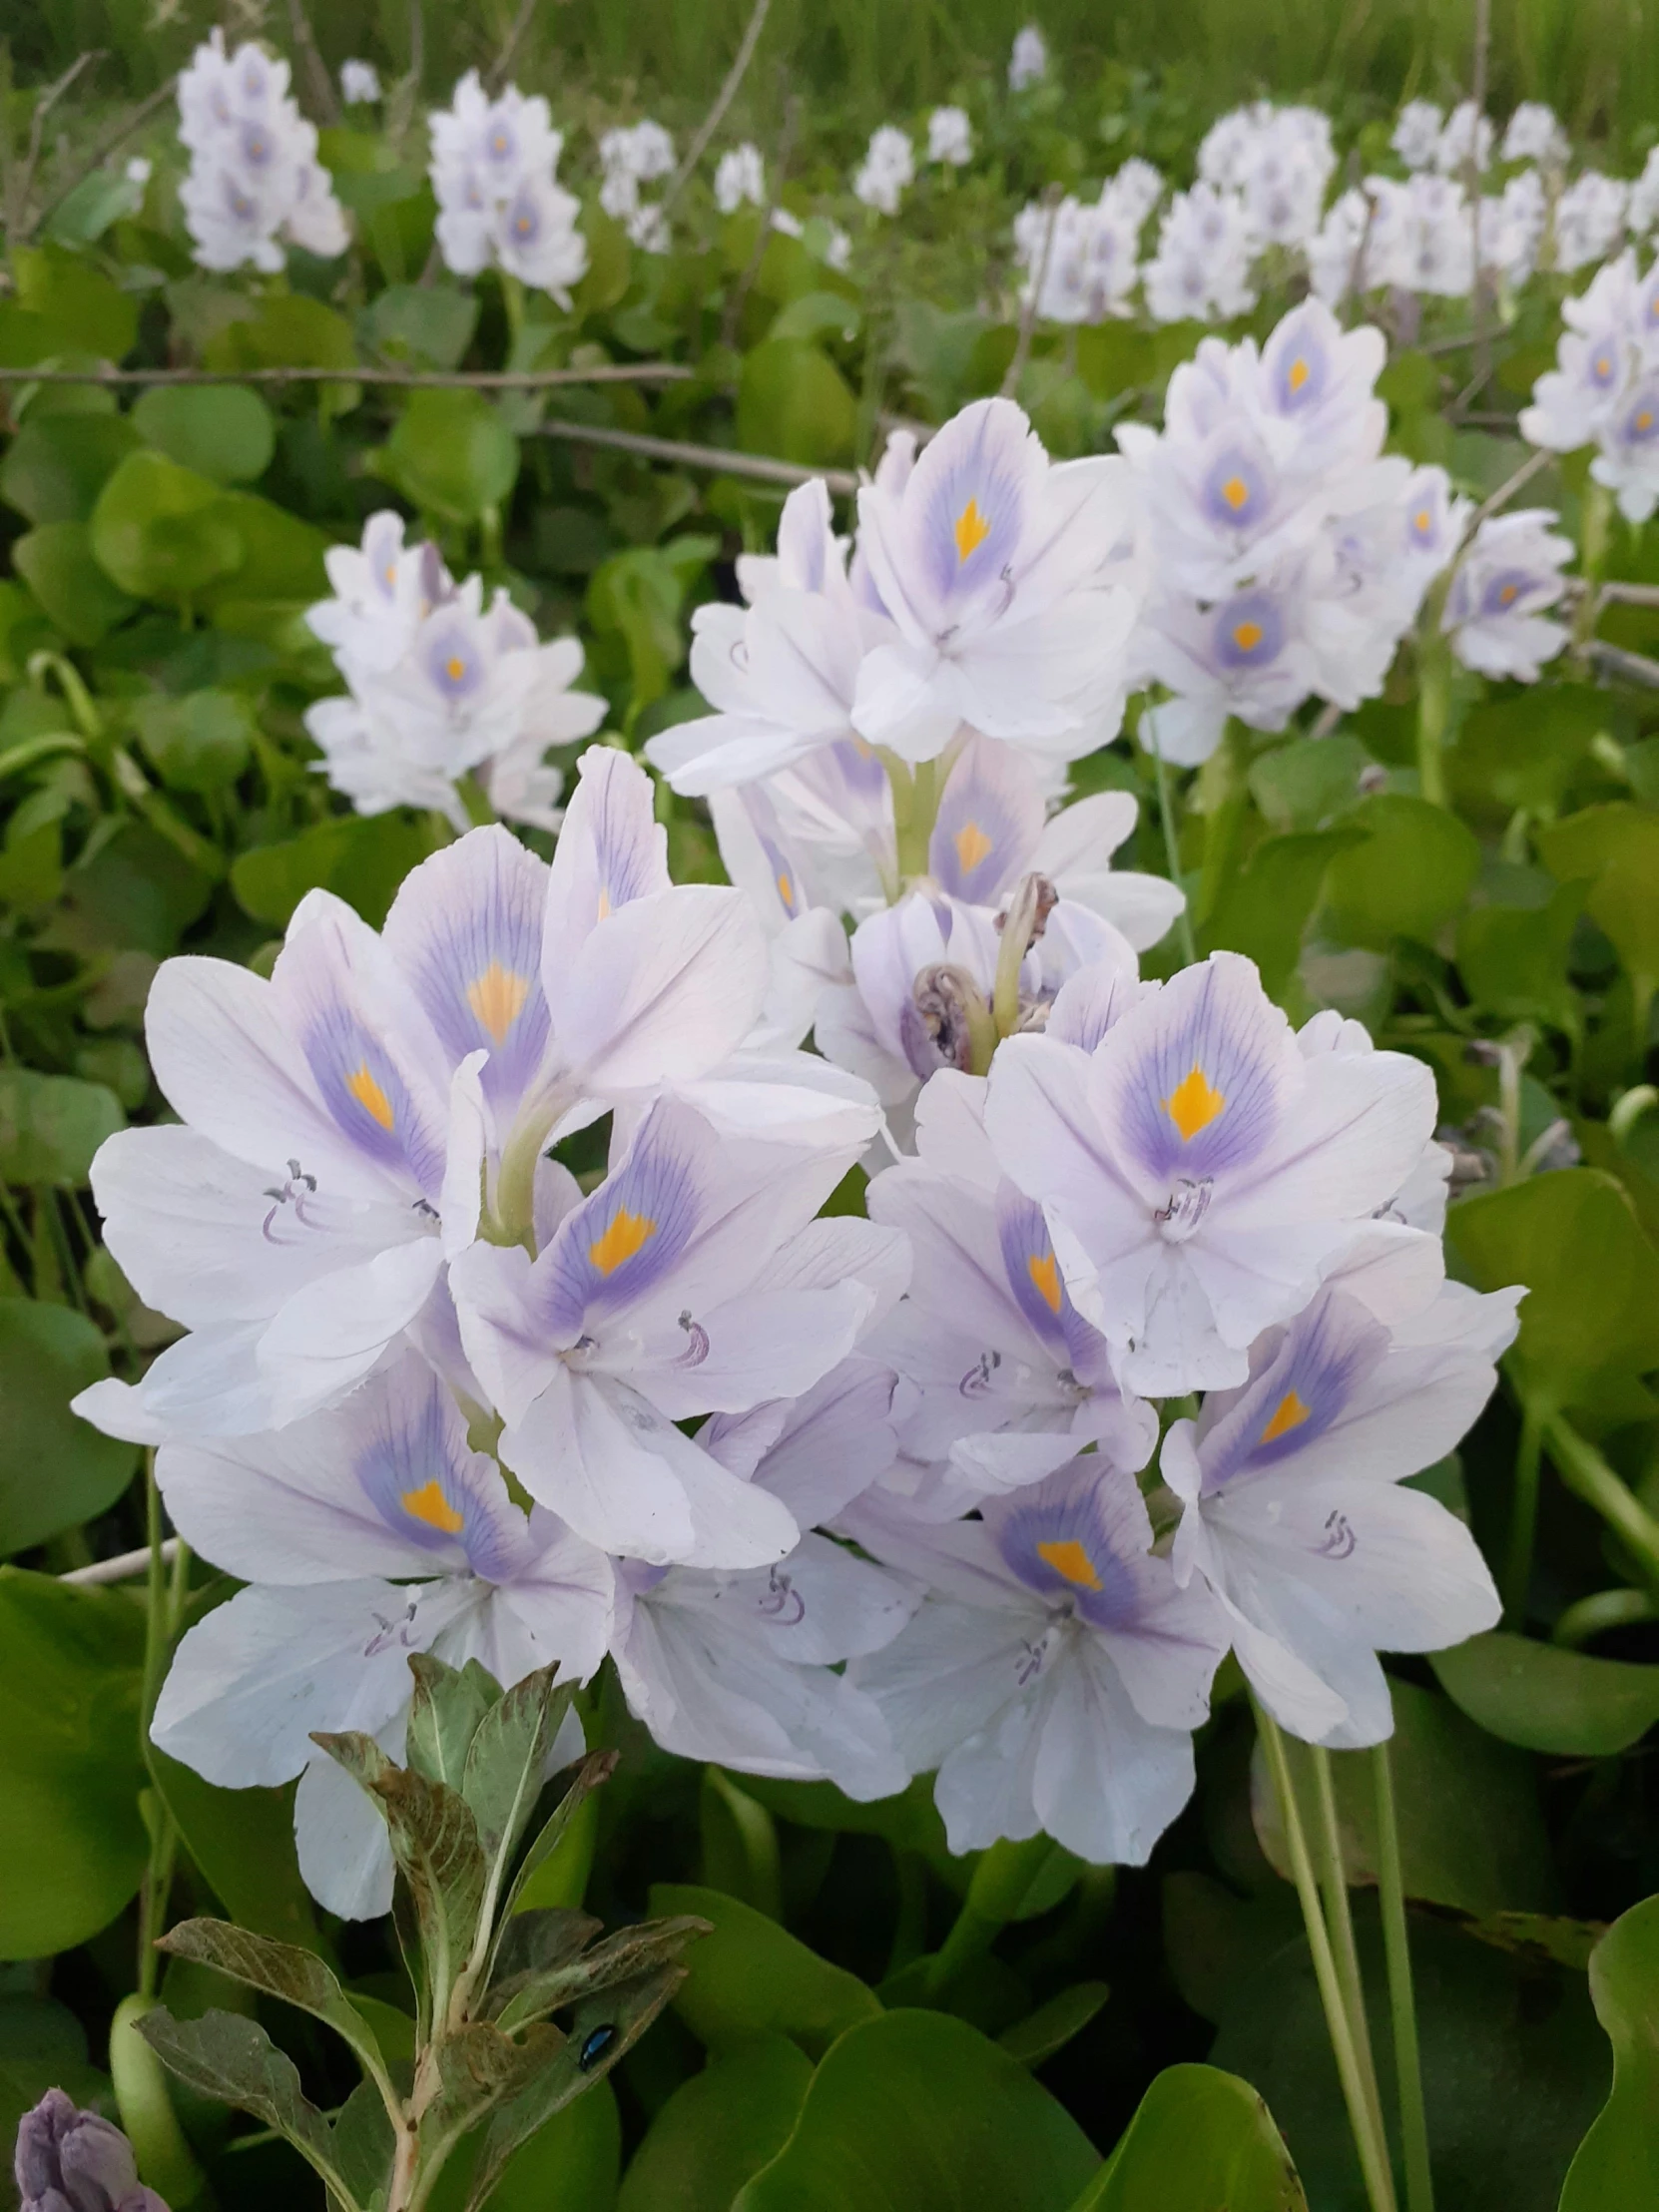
[(74, 2161)]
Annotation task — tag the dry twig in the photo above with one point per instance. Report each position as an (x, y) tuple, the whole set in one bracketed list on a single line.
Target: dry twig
[(716, 458), (723, 100)]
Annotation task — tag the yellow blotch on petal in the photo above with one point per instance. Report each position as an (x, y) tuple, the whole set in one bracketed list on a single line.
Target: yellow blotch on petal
[(1644, 421), (1296, 375), (1509, 593), (625, 1234), (1068, 1558), (1236, 492), (1045, 1275), (498, 998), (1247, 636), (370, 1096), (429, 1504), (604, 905), (455, 668), (1193, 1104), (973, 529), (786, 889), (1422, 519), (1289, 1413), (971, 846)]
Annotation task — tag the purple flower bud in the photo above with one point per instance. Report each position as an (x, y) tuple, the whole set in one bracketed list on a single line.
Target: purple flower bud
[(73, 2161)]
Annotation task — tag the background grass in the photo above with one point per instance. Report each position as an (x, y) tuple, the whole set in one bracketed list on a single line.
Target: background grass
[(862, 62)]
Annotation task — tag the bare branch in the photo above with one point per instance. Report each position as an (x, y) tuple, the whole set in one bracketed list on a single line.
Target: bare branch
[(716, 458), (1533, 466), (1028, 312), (738, 294), (723, 100), (317, 69), (1626, 668), (410, 380), (124, 1566), (501, 69), (23, 181), (103, 147)]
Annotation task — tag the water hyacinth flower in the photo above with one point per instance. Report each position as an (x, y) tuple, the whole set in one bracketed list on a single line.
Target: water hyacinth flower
[(1201, 270), (345, 1122), (886, 171), (694, 1280), (67, 2160), (254, 181), (1416, 134), (1596, 358), (740, 178), (1467, 140), (366, 1533), (359, 84), (1535, 133), (949, 138), (1589, 219), (1028, 61), (493, 169), (1497, 609), (1295, 1511), (1009, 581), (1054, 1671), (1197, 1172)]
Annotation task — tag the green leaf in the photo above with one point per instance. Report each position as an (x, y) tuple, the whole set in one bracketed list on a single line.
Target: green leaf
[(48, 1354), (58, 566), (1616, 848), (1617, 2165), (918, 2112), (226, 2056), (1199, 2139), (1302, 785), (289, 330), (1513, 959), (814, 314), (280, 1969), (751, 1978), (243, 1843), (719, 2129), (1408, 878), (1590, 1320), (627, 1956), (281, 559), (1525, 750), (51, 1125), (1051, 2027), (574, 2161), (161, 531), (71, 1840), (83, 309), (450, 454), (740, 1844), (507, 1758), (361, 858), (55, 466), (431, 324), (224, 431), (198, 742), (444, 1714), (1263, 910), (1471, 1832), (554, 1870), (1546, 1699), (794, 405)]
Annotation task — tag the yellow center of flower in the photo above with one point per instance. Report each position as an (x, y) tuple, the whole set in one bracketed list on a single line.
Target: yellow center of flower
[(1508, 592), (455, 668), (1644, 421), (1289, 1413), (521, 224), (370, 1096), (1247, 636), (1045, 1275), (498, 998), (973, 529), (1604, 367), (1069, 1561), (625, 1234), (604, 905), (971, 846), (1422, 518), (786, 889), (1236, 492), (1296, 375), (1193, 1104), (431, 1506)]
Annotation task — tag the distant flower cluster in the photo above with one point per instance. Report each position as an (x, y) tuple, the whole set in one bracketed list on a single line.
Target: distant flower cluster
[(441, 688), (1604, 388), (494, 171), (641, 154), (255, 184)]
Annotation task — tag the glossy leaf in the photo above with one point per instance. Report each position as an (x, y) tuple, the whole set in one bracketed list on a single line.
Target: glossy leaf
[(1199, 2139), (224, 2055), (794, 403), (1264, 910), (1615, 848), (1408, 879), (361, 858), (1618, 2162), (160, 531), (55, 1469), (451, 455), (224, 431), (243, 1843), (719, 2129), (58, 564), (1546, 1699), (751, 1978)]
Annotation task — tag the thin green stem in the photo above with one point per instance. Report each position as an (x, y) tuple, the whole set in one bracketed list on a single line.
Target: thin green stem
[(1593, 1616), (158, 1622), (1374, 2160), (1397, 1946), (1587, 1474), (1524, 1517), (1166, 817), (1340, 1919), (1433, 706)]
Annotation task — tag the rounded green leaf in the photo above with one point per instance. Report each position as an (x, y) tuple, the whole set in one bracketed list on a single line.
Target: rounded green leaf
[(751, 1978), (719, 2129), (1616, 848), (451, 455), (82, 309), (51, 1125), (197, 743), (1199, 2139), (1411, 876), (794, 403), (1617, 2165), (918, 2112), (1546, 1699), (361, 856), (243, 1843), (55, 466), (55, 1470), (223, 431), (58, 565), (160, 531), (72, 1842)]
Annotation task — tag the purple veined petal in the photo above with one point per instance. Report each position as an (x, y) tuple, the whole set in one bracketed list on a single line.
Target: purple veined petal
[(1248, 631), (1081, 1537), (1192, 1082), (990, 817), (466, 929), (612, 1248), (1297, 364), (962, 517), (611, 851), (451, 656), (1035, 1277), (1306, 1376), (1237, 491), (410, 1458)]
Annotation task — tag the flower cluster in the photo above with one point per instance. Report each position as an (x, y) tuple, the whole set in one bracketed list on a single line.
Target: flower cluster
[(740, 179), (441, 688), (254, 181), (1028, 61), (643, 154), (1288, 555), (493, 170), (888, 169), (1604, 388), (1082, 256)]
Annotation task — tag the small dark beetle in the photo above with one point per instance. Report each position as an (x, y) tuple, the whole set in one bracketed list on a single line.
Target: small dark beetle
[(595, 2044)]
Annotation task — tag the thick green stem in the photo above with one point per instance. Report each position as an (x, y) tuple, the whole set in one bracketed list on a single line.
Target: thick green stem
[(1524, 1517), (1433, 708), (1587, 1474), (1340, 1919), (1373, 2152), (1413, 2117)]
